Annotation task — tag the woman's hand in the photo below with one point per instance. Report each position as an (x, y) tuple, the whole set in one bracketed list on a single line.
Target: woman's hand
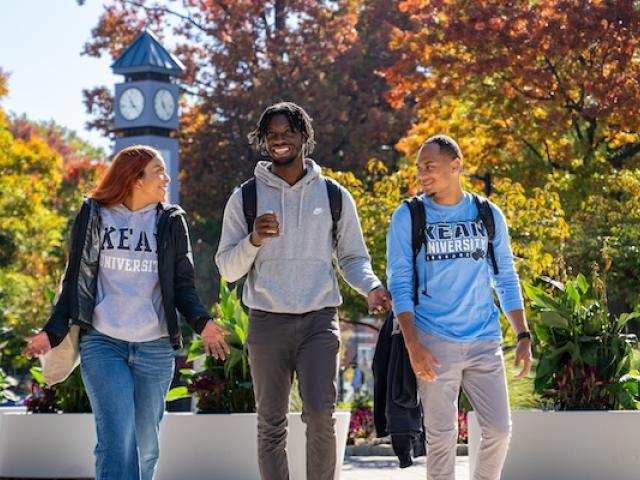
[(213, 340), (37, 345)]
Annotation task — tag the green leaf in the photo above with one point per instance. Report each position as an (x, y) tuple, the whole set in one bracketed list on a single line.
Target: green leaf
[(541, 332), (573, 294), (625, 317), (544, 374), (36, 373), (540, 299), (590, 354), (582, 283), (241, 334), (50, 295), (177, 393), (553, 320)]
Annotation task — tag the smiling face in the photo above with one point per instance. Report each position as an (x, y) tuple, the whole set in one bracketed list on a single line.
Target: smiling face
[(438, 171), (152, 186), (283, 143)]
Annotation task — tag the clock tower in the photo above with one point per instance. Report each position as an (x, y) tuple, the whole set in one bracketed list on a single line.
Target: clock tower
[(146, 103)]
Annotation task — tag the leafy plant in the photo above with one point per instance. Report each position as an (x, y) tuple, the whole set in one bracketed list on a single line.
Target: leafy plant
[(42, 398), (221, 386), (584, 352), (7, 384), (361, 425), (69, 396)]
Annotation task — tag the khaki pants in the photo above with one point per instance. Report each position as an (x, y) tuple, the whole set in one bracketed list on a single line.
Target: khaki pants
[(479, 368), (308, 344)]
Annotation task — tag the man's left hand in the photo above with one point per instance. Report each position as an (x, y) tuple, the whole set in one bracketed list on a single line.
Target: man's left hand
[(378, 301), (523, 354)]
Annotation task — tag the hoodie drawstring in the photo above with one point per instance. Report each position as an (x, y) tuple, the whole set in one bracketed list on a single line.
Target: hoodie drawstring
[(304, 186), (282, 210)]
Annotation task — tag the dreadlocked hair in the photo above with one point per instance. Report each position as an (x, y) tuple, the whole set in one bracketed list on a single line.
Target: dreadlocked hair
[(299, 120)]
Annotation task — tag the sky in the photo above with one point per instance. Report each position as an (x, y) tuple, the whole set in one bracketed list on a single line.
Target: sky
[(40, 47)]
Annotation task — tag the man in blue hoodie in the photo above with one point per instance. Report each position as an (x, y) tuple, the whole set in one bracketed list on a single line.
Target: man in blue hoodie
[(292, 289), (453, 334)]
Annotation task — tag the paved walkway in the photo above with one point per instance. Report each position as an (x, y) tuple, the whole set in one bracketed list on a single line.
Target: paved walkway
[(386, 468)]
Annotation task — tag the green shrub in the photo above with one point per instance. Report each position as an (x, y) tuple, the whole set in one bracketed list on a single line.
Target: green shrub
[(584, 352)]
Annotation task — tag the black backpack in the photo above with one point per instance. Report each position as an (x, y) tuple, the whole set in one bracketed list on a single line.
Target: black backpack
[(250, 203), (418, 225)]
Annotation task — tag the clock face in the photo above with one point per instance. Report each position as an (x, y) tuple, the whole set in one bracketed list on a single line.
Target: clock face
[(131, 103), (164, 104)]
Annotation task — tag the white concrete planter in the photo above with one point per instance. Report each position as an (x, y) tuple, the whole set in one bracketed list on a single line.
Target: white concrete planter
[(202, 447), (191, 446), (46, 445), (577, 445)]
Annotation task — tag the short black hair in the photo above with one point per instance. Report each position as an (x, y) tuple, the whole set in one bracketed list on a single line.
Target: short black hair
[(299, 120), (446, 144)]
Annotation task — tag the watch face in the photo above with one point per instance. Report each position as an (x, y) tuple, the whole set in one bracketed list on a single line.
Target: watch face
[(164, 104), (131, 103)]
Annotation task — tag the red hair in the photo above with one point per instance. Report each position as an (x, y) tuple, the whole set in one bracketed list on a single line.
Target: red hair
[(118, 181)]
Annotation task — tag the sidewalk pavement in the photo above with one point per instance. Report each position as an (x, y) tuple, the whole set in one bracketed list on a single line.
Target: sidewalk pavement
[(386, 468)]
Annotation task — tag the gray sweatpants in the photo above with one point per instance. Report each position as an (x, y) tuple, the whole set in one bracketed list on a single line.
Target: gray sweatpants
[(479, 368), (280, 344)]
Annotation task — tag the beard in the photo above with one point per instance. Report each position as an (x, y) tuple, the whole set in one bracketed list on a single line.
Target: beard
[(285, 161)]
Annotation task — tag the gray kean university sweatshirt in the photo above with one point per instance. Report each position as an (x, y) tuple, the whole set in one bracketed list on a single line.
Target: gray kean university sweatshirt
[(294, 272), (129, 300)]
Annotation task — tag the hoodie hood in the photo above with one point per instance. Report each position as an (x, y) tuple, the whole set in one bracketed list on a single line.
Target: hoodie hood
[(263, 172), (123, 211), (312, 172)]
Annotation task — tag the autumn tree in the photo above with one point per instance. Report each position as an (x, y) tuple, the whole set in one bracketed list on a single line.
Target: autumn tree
[(243, 55), (543, 93), (82, 163), (30, 227), (44, 169)]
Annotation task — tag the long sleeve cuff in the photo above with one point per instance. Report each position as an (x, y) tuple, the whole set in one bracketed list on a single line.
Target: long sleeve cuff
[(247, 248), (54, 340), (403, 306)]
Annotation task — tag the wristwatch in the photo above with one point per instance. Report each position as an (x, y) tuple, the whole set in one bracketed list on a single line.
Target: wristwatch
[(526, 334)]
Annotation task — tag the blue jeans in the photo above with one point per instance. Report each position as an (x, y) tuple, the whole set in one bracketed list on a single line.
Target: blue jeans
[(126, 383)]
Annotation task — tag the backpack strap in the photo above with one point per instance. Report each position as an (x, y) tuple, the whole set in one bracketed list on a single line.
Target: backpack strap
[(249, 202), (486, 217), (335, 205), (418, 225)]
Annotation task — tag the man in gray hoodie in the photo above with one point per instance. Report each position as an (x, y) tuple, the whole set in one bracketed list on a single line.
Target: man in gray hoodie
[(291, 287)]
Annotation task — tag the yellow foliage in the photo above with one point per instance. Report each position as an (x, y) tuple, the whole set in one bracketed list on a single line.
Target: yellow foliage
[(622, 138), (30, 177)]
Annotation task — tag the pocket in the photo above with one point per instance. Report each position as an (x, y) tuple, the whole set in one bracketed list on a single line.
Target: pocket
[(295, 281), (118, 313)]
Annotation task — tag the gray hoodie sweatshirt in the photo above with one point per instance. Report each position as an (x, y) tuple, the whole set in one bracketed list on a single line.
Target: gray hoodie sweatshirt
[(294, 272), (128, 299)]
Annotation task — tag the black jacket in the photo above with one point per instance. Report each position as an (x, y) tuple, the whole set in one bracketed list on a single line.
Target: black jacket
[(175, 269), (397, 409)]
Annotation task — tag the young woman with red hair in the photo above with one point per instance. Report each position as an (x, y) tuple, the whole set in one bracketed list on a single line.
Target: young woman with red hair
[(130, 268)]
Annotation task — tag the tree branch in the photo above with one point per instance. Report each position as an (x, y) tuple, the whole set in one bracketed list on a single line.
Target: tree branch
[(571, 103), (625, 152), (169, 11)]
